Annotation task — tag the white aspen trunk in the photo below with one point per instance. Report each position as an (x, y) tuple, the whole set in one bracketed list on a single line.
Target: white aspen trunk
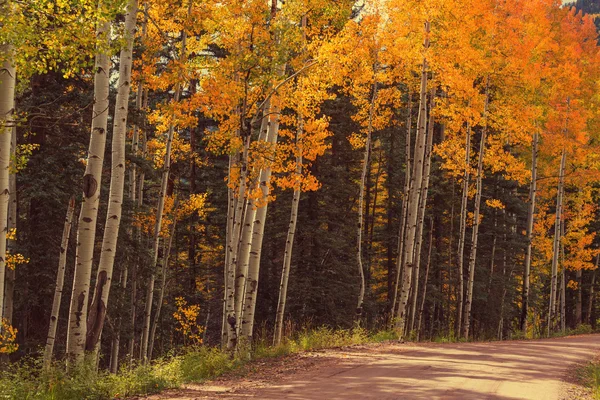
[(245, 245), (422, 307), (135, 139), (289, 243), (591, 298), (60, 279), (9, 287), (556, 245), (7, 106), (578, 305), (405, 197), (251, 284), (160, 208), (563, 283), (422, 208), (228, 275), (116, 342), (164, 271), (234, 222), (97, 312), (417, 181), (462, 232), (530, 221), (86, 228), (476, 222), (140, 203), (359, 228)]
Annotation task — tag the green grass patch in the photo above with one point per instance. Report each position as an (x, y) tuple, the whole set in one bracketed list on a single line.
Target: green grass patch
[(589, 375)]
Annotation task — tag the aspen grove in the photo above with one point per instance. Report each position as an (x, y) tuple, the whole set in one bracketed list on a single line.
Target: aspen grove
[(236, 172)]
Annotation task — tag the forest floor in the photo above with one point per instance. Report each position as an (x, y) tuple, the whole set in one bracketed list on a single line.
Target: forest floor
[(529, 369)]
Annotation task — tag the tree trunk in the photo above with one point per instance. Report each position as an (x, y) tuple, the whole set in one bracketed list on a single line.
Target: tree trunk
[(578, 305), (405, 197), (476, 222), (289, 243), (422, 307), (463, 230), (7, 106), (563, 283), (359, 228), (251, 284), (164, 271), (97, 313), (556, 245), (86, 228), (591, 299), (413, 205), (9, 288), (60, 279), (422, 208), (530, 220)]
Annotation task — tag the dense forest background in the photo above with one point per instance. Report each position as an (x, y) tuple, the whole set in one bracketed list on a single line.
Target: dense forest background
[(54, 111)]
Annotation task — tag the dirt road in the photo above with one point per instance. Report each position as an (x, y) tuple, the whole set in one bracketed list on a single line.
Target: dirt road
[(499, 370)]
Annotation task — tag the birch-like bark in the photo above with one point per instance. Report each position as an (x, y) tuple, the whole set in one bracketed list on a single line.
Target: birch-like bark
[(159, 211), (462, 231), (7, 106), (245, 245), (405, 197), (60, 279), (476, 221), (530, 220), (164, 271), (578, 303), (97, 312), (9, 287), (422, 208), (556, 245), (228, 275), (359, 228), (251, 285), (422, 307), (413, 205), (289, 243), (591, 298), (563, 283), (86, 228)]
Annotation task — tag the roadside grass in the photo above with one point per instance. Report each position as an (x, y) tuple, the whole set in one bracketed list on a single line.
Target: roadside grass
[(28, 380), (589, 376)]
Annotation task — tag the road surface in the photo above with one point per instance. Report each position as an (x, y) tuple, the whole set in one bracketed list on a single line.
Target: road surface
[(499, 370)]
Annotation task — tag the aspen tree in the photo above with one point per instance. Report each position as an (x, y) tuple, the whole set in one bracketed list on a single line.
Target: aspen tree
[(7, 105), (405, 197), (422, 208), (417, 182), (160, 209), (556, 244), (164, 271), (591, 296), (563, 287), (86, 227), (97, 312), (60, 279), (530, 220), (359, 228), (9, 286), (289, 243), (463, 231), (476, 218), (258, 228), (422, 307)]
